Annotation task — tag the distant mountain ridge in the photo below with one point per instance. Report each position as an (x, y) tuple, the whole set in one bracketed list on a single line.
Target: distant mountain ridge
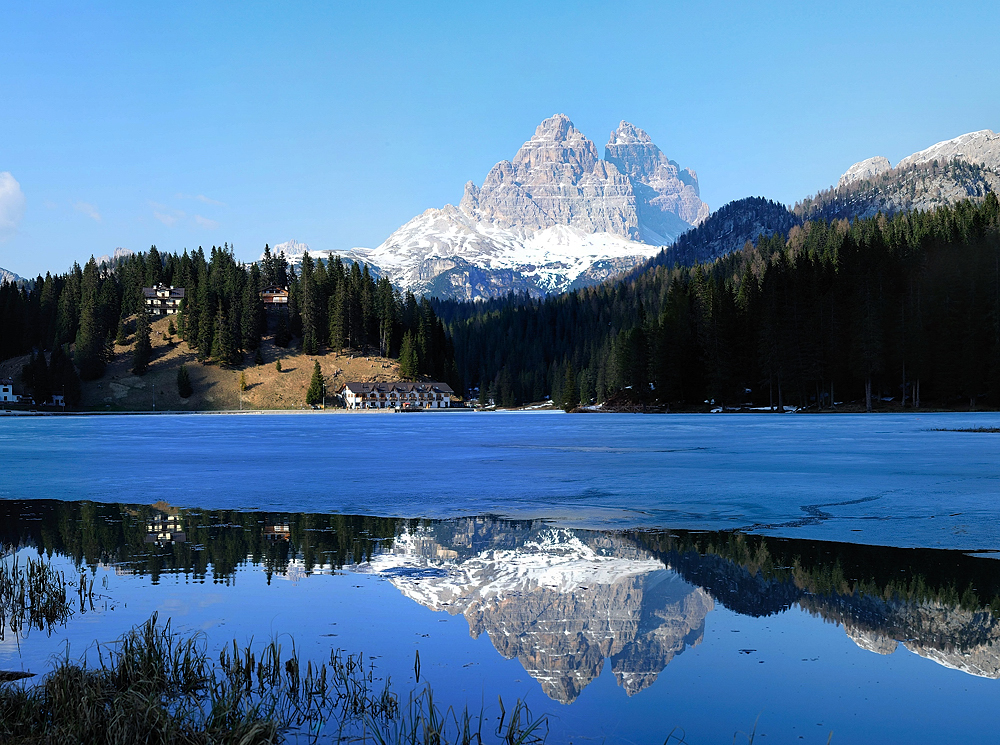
[(556, 216), (964, 167), (9, 276)]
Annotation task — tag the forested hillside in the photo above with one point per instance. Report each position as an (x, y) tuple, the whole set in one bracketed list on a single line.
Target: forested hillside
[(69, 322), (905, 307)]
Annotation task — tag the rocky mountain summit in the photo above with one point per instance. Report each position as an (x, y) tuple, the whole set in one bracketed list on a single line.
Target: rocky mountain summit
[(555, 217), (9, 276), (965, 167)]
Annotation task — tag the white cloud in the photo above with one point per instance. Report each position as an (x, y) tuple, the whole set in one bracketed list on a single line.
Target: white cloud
[(205, 222), (11, 205), (89, 210), (164, 214), (203, 199)]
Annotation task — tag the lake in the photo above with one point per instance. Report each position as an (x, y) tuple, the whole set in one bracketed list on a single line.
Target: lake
[(628, 576)]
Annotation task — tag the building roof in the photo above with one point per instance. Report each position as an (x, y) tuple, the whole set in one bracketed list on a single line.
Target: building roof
[(398, 386), (175, 292), (274, 290), (6, 381)]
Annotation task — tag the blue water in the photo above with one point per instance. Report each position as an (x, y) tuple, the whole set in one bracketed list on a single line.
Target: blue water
[(883, 479), (568, 607)]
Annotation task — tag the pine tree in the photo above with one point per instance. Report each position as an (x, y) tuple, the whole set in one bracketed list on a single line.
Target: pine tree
[(121, 337), (408, 360), (309, 304), (243, 380), (277, 365), (143, 349), (570, 393), (282, 335), (90, 337), (258, 357), (223, 345), (315, 393), (184, 389), (338, 317)]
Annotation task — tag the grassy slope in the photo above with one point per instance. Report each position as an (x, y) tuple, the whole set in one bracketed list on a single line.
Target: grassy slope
[(216, 387)]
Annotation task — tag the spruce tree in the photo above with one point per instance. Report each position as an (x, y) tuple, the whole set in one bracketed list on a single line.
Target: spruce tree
[(408, 360), (315, 393), (121, 336), (143, 349), (90, 336), (282, 335), (223, 345), (184, 389), (338, 317), (570, 393)]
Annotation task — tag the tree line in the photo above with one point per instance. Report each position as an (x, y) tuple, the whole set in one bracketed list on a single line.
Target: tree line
[(906, 308), (69, 323)]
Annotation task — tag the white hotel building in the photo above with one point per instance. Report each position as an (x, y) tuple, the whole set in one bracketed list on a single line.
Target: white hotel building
[(397, 395)]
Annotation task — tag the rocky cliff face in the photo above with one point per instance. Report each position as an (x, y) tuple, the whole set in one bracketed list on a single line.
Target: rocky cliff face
[(866, 169), (966, 167), (556, 178), (8, 276), (667, 198), (554, 217)]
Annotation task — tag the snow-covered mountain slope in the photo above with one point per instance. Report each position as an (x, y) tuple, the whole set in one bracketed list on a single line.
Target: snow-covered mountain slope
[(9, 276), (448, 253), (556, 216), (559, 603)]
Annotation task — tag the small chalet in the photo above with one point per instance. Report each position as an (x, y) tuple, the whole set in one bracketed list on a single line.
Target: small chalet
[(7, 391), (162, 300), (275, 297), (397, 395)]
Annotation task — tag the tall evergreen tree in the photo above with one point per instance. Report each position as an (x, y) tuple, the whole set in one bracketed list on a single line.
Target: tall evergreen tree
[(315, 393), (143, 349), (90, 338), (409, 365)]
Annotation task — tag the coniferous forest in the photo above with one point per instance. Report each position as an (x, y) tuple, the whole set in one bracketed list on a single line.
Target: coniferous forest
[(68, 323), (904, 308)]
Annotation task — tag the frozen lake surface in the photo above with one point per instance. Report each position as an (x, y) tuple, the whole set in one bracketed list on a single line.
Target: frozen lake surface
[(878, 479), (624, 575)]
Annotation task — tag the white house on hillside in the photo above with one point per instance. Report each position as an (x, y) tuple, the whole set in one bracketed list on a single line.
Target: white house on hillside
[(162, 300), (7, 391)]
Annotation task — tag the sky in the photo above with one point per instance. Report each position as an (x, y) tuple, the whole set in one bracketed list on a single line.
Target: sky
[(185, 124)]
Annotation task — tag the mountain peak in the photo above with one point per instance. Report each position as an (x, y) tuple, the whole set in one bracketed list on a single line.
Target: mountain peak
[(628, 134), (981, 148), (865, 170), (557, 128), (556, 140)]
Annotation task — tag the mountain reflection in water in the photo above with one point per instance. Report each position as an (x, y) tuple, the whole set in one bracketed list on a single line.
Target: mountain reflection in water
[(563, 602)]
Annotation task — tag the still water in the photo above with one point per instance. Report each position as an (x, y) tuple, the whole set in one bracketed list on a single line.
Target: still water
[(624, 575)]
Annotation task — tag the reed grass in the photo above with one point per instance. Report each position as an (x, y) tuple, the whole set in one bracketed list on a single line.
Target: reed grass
[(157, 687), (34, 595)]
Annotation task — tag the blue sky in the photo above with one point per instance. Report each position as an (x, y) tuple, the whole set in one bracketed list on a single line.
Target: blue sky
[(185, 124)]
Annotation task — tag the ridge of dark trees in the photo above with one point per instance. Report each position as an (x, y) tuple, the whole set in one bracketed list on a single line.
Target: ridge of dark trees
[(906, 307), (69, 322)]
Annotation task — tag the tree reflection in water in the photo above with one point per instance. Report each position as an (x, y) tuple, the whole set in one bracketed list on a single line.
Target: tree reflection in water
[(563, 602)]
